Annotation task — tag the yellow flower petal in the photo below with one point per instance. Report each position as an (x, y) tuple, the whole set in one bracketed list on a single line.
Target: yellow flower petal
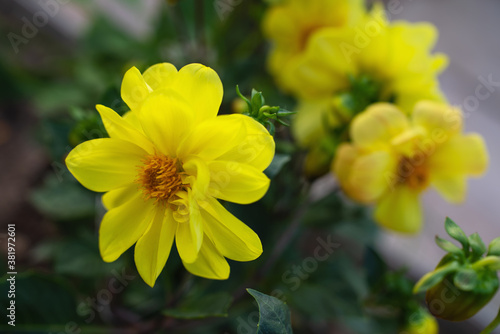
[(371, 175), (134, 89), (133, 118), (439, 120), (399, 210), (122, 226), (117, 197), (189, 235), (198, 168), (344, 159), (452, 187), (153, 248), (209, 263), (231, 237), (214, 137), (160, 75), (236, 182), (256, 149), (202, 89), (119, 128), (105, 164), (462, 154), (374, 128), (166, 120)]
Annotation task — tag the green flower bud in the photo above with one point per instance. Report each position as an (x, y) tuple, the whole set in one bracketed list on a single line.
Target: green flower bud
[(448, 300), (465, 280)]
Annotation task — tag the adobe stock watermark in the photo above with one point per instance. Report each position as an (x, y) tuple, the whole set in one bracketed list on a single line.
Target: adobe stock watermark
[(293, 277), (224, 8), (31, 26), (364, 34)]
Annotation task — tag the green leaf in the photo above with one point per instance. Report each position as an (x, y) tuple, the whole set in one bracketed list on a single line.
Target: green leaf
[(64, 199), (434, 277), (456, 232), (494, 247), (274, 315), (477, 245), (277, 164), (447, 246), (466, 279), (213, 305)]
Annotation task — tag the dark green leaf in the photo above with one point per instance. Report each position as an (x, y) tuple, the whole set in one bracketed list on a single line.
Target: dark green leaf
[(213, 305), (466, 279), (63, 199), (456, 232), (277, 164), (274, 315)]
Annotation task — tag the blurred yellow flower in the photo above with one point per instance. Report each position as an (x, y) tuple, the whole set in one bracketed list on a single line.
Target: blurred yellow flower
[(291, 23), (165, 165), (343, 70), (393, 158)]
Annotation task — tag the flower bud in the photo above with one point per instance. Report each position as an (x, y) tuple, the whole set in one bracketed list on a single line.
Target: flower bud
[(447, 301)]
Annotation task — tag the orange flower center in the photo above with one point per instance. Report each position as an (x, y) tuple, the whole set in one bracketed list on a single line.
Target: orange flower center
[(160, 177), (414, 172)]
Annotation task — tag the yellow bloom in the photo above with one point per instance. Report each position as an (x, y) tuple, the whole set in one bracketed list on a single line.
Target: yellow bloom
[(165, 165), (290, 24), (393, 158), (376, 61)]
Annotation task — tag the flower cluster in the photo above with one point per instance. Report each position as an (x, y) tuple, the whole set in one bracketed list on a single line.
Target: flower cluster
[(370, 108)]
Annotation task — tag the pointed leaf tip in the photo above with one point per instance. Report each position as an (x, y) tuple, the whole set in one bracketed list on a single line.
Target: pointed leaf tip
[(274, 315)]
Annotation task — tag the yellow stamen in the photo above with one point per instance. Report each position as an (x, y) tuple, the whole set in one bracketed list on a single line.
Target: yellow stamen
[(160, 177)]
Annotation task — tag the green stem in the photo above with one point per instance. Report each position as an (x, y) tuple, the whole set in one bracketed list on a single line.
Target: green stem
[(494, 324)]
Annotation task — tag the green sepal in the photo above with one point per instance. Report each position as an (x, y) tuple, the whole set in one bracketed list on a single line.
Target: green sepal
[(257, 100), (465, 279), (477, 245), (249, 105), (447, 246), (494, 247), (456, 232), (435, 277), (491, 262)]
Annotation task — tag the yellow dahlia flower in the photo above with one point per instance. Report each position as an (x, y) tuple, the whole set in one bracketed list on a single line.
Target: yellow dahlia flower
[(393, 158), (291, 23), (164, 167)]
